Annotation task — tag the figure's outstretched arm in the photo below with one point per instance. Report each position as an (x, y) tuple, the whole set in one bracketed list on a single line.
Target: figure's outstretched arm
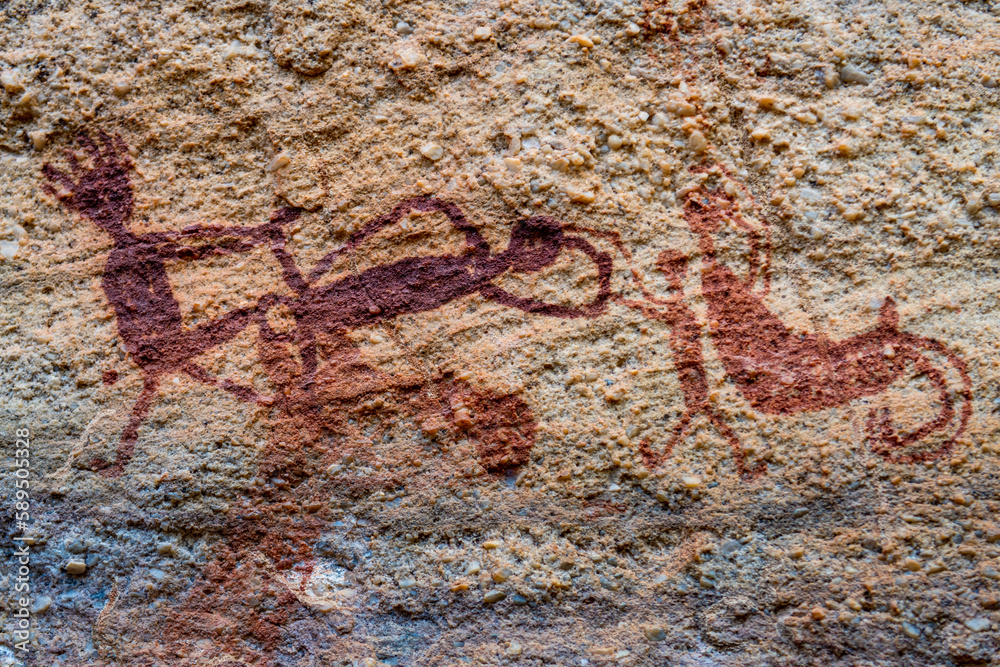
[(263, 233), (168, 249)]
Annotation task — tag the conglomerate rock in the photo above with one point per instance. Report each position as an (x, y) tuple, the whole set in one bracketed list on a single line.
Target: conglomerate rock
[(571, 332)]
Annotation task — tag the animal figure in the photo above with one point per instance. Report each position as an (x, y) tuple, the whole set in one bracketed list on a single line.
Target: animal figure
[(780, 371), (420, 284), (136, 285)]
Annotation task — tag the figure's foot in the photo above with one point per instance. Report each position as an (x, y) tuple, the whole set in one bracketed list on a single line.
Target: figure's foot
[(106, 469)]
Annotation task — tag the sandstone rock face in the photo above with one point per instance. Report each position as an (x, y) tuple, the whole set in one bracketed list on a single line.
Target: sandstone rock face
[(357, 332)]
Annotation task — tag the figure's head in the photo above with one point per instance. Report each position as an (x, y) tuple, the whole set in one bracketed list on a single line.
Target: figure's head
[(534, 244), (701, 213), (673, 264)]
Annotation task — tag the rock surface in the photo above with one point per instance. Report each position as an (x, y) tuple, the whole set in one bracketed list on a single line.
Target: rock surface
[(598, 332)]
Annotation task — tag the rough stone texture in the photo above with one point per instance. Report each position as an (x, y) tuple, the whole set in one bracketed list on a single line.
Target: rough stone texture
[(574, 333)]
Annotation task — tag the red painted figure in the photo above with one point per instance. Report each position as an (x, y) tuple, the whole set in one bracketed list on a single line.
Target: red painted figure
[(781, 371), (149, 318), (685, 344), (135, 280)]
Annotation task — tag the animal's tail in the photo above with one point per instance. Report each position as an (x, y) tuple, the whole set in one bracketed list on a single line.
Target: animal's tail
[(887, 441)]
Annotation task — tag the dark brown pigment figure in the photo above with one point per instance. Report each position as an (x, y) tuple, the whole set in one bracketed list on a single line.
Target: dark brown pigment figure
[(419, 284), (503, 430), (780, 371), (135, 280), (149, 318)]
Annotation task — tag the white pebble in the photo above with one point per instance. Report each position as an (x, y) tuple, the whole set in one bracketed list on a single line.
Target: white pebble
[(632, 30), (978, 624), (39, 139), (697, 141), (852, 74), (279, 161), (614, 142), (403, 28), (482, 33), (691, 482), (432, 151), (11, 81), (410, 57), (41, 604), (8, 249)]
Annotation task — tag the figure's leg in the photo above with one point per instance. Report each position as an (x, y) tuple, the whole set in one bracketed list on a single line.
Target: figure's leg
[(245, 394), (214, 333), (651, 458), (126, 443), (739, 456)]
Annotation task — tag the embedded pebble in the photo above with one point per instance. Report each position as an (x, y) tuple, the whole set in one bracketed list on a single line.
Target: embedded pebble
[(279, 161), (41, 604), (697, 142), (978, 624), (851, 74), (494, 596), (75, 566), (11, 81), (432, 151)]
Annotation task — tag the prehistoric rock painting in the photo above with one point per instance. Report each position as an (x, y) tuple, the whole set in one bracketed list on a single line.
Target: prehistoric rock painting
[(777, 370), (135, 280), (780, 371), (149, 317)]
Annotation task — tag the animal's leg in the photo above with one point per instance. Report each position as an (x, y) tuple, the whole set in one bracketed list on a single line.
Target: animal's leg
[(126, 444), (245, 394), (739, 456)]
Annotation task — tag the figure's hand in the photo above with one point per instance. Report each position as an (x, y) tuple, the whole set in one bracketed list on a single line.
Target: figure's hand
[(103, 193)]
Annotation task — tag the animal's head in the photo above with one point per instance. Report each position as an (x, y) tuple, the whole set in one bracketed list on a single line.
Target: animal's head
[(702, 213), (534, 244), (673, 264)]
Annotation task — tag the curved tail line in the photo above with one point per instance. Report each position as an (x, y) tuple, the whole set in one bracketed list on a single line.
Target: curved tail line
[(879, 427)]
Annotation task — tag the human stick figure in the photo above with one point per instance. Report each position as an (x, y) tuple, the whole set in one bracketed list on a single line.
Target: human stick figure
[(136, 285)]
